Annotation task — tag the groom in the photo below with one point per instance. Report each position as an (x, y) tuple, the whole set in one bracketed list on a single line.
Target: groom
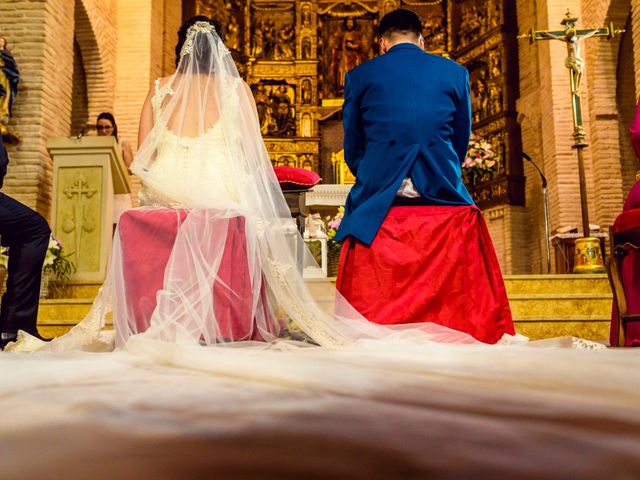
[(416, 249)]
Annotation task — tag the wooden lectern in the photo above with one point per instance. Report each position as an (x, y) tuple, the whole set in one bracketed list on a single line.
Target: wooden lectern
[(87, 172)]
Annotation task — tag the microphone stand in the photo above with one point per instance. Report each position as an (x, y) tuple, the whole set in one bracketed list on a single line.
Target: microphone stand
[(545, 201)]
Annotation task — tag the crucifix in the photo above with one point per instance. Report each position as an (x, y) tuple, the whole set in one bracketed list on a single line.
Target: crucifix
[(572, 36)]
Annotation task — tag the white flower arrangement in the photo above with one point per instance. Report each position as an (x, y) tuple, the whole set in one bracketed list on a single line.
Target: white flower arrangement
[(481, 158)]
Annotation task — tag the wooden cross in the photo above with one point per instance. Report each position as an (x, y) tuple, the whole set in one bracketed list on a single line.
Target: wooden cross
[(572, 37)]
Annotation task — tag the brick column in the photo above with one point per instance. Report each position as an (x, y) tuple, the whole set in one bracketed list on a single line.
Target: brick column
[(146, 40), (545, 114), (40, 36)]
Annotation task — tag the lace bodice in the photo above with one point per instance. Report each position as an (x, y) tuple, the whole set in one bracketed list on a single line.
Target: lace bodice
[(191, 171)]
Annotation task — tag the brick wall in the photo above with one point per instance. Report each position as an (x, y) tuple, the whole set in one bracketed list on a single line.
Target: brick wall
[(545, 115), (41, 40), (146, 41)]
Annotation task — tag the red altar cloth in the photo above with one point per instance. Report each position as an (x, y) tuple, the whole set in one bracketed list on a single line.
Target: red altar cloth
[(429, 264), (147, 238), (630, 279)]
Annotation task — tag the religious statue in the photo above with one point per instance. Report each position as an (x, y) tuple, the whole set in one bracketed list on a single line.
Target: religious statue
[(9, 79), (306, 125), (232, 37), (434, 34), (389, 5), (306, 48), (479, 100), (275, 110), (494, 63), (496, 17), (263, 39), (263, 105), (257, 41), (471, 25), (284, 122), (269, 40), (305, 91), (306, 15), (307, 162), (284, 46), (347, 52), (495, 99), (573, 62)]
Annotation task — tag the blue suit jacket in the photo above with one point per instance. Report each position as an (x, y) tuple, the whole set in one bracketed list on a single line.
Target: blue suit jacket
[(406, 113)]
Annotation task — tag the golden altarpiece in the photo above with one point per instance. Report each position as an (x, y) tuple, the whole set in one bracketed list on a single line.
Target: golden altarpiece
[(294, 55)]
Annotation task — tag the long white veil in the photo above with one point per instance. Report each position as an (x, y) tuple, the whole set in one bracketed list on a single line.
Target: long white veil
[(205, 156)]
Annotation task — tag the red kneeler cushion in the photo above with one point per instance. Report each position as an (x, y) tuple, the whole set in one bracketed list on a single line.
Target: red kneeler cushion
[(147, 237), (292, 178)]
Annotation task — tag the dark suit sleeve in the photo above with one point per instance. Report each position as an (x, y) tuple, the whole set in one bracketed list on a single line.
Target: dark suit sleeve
[(462, 124), (4, 161), (353, 133)]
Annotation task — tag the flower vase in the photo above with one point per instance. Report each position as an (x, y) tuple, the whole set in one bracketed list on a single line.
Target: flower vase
[(44, 282)]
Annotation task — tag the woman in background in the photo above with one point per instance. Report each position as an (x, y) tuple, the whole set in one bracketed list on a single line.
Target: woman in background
[(106, 126)]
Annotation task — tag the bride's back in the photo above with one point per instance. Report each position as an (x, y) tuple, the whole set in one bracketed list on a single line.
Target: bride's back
[(187, 109)]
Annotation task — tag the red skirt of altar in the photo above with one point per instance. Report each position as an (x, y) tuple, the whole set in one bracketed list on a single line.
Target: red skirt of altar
[(429, 264), (147, 239), (630, 274)]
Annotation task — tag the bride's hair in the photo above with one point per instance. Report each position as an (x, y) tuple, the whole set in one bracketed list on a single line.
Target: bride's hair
[(184, 29)]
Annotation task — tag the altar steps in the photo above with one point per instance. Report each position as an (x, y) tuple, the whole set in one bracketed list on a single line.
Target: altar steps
[(543, 306), (546, 306)]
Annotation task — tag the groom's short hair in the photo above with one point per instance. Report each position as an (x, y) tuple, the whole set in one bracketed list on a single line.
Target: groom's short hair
[(400, 21)]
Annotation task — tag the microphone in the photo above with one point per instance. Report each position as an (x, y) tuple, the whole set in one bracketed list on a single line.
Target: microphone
[(526, 156), (84, 131), (545, 200)]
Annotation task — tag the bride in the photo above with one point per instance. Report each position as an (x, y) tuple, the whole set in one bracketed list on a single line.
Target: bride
[(229, 269)]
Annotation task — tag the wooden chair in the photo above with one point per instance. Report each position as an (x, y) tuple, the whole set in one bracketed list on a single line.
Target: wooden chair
[(621, 244)]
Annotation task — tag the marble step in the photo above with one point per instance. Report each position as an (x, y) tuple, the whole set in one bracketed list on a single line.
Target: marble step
[(589, 329), (57, 316), (560, 306), (515, 284), (85, 290), (556, 284)]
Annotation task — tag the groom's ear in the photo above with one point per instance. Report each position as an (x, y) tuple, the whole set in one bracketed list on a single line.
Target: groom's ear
[(383, 45), (421, 41)]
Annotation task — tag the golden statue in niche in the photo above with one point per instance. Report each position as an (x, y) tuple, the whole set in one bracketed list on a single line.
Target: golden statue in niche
[(276, 111), (347, 50)]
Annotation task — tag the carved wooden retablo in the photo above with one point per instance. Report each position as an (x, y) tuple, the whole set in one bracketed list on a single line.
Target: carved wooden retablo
[(294, 55)]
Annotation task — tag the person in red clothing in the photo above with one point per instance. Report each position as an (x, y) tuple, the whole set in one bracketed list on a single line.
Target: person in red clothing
[(630, 269), (633, 199)]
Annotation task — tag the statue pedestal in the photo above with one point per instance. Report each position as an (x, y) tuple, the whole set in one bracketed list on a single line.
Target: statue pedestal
[(86, 174)]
